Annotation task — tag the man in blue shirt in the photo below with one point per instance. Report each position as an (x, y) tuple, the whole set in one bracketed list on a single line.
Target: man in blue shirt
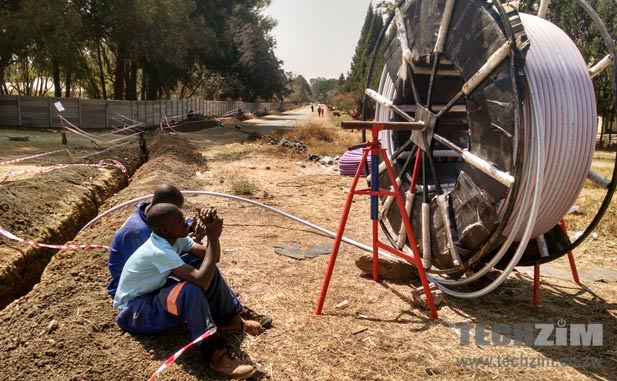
[(150, 302), (135, 231)]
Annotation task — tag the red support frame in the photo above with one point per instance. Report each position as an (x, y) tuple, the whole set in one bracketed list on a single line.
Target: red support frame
[(374, 148), (536, 271)]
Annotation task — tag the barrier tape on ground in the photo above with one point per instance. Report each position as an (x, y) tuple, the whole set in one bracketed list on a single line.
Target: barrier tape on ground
[(12, 236), (176, 355), (101, 164), (33, 156), (103, 151)]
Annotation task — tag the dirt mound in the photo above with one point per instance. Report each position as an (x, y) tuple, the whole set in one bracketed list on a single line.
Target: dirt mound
[(51, 208), (181, 150), (71, 331)]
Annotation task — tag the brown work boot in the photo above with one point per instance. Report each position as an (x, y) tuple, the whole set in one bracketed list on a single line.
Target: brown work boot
[(239, 325), (264, 320), (220, 362)]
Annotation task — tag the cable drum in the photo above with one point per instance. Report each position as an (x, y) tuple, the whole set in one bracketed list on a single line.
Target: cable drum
[(534, 109), (556, 70)]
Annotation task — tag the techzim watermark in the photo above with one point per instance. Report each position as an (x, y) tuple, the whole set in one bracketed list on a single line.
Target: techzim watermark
[(526, 361), (532, 334)]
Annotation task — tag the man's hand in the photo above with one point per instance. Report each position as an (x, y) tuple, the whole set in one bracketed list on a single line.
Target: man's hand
[(214, 228), (206, 215), (202, 218)]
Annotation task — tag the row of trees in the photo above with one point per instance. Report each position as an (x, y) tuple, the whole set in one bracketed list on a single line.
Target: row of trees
[(347, 92), (151, 49)]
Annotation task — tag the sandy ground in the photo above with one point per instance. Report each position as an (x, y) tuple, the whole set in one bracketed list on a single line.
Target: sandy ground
[(64, 329)]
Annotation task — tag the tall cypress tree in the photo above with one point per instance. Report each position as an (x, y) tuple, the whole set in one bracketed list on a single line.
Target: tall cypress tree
[(360, 60), (356, 80)]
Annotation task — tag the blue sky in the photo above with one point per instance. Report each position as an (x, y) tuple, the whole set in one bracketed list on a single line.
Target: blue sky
[(317, 38)]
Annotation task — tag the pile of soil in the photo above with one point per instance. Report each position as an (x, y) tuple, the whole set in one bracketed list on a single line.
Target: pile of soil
[(71, 331), (52, 208)]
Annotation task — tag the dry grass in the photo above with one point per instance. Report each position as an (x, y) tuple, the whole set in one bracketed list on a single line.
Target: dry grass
[(242, 187), (591, 197), (381, 334), (321, 137)]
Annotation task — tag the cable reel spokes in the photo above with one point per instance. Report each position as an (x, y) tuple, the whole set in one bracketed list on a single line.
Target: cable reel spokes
[(474, 178)]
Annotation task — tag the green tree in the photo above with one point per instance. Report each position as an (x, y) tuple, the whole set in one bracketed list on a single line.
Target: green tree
[(13, 40), (256, 64), (152, 49), (324, 89), (369, 35), (300, 90)]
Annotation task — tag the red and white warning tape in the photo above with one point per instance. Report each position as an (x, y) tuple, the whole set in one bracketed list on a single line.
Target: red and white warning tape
[(101, 164), (12, 236), (68, 126), (103, 151), (176, 355), (33, 156)]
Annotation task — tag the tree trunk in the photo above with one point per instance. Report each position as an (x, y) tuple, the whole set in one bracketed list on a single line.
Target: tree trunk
[(602, 127), (152, 88), (101, 71), (57, 82), (38, 91), (67, 90), (133, 82), (26, 89), (144, 85), (610, 129), (119, 74), (127, 78), (3, 88)]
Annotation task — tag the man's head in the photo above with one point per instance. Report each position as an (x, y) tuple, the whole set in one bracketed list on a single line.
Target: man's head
[(166, 193), (167, 220)]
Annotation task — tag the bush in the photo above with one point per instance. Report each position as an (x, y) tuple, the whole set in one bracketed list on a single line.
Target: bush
[(346, 101), (242, 187)]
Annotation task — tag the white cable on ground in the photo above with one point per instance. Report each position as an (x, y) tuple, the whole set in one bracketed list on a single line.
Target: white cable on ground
[(242, 199)]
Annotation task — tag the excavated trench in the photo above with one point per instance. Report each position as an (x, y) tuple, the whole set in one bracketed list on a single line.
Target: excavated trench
[(67, 299), (51, 208)]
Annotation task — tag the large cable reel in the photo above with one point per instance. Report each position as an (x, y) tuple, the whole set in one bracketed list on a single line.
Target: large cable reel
[(509, 110)]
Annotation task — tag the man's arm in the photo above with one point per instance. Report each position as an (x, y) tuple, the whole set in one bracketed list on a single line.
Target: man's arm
[(210, 254)]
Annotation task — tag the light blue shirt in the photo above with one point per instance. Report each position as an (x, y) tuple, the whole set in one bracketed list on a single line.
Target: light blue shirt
[(148, 268)]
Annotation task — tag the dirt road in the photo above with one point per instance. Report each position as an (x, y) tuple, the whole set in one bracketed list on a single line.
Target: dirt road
[(288, 119)]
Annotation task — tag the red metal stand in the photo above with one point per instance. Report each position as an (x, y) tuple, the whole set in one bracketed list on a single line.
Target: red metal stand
[(536, 271), (374, 148), (570, 256)]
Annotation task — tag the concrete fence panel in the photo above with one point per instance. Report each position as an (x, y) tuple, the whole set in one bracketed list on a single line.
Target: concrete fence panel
[(40, 112)]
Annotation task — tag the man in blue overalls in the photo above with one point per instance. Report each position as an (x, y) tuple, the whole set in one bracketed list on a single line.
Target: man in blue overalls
[(151, 302), (135, 231)]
